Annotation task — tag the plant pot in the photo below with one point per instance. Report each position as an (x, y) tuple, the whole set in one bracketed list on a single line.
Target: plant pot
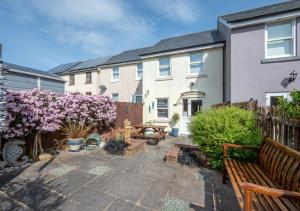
[(75, 145), (174, 132)]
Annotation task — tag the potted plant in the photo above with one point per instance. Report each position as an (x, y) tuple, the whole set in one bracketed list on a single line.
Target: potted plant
[(174, 120), (75, 133)]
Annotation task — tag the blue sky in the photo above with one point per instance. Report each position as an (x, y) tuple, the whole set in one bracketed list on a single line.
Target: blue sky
[(45, 33)]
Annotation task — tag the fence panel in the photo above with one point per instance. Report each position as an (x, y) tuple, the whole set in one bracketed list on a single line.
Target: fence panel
[(131, 111)]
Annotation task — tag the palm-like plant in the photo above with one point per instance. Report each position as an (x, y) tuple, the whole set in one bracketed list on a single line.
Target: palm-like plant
[(75, 130)]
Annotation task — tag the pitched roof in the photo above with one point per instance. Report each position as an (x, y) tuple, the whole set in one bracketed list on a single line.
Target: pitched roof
[(79, 65), (63, 67), (126, 56), (31, 71), (268, 10), (186, 41)]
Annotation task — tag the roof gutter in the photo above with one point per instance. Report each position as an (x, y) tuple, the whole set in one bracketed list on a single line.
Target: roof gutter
[(209, 46), (35, 74), (259, 20)]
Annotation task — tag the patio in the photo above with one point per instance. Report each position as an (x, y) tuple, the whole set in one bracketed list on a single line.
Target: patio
[(94, 180)]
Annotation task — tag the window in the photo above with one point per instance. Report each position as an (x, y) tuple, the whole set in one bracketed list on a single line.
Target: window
[(115, 74), (88, 93), (196, 63), (164, 67), (115, 97), (72, 79), (162, 108), (280, 39), (88, 77), (137, 99), (139, 71), (272, 98)]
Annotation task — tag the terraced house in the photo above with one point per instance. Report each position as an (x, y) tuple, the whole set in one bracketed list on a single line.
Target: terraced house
[(251, 54)]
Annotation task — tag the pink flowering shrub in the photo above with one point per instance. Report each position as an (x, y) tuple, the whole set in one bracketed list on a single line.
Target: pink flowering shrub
[(96, 110), (30, 111), (45, 111)]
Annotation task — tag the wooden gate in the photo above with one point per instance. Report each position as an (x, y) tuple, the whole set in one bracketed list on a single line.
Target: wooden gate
[(131, 111)]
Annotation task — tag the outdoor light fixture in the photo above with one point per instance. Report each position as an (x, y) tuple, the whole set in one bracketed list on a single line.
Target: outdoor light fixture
[(191, 85), (286, 81)]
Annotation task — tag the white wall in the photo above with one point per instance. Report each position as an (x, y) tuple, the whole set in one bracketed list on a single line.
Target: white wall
[(127, 86), (211, 83), (80, 83)]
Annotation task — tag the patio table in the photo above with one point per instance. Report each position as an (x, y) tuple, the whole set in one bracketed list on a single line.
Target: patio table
[(158, 135)]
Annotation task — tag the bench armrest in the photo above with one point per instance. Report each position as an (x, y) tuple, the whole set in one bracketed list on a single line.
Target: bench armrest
[(274, 192), (226, 146)]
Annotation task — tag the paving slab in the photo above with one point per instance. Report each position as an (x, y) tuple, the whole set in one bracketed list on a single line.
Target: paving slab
[(160, 172), (91, 199), (121, 205), (128, 186), (70, 181), (7, 203), (121, 163), (100, 181), (155, 195), (102, 154), (83, 162)]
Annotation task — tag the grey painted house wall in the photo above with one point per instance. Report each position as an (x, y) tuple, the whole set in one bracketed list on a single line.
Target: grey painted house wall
[(24, 78), (246, 75)]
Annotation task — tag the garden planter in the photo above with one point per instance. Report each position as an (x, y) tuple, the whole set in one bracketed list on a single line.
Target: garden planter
[(75, 144), (174, 132)]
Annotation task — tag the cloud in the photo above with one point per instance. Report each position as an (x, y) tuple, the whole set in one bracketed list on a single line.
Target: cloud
[(93, 26), (177, 10)]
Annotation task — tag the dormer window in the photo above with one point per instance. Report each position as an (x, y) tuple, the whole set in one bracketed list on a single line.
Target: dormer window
[(280, 39)]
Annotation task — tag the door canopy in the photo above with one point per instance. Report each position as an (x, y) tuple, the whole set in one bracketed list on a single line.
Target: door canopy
[(190, 94)]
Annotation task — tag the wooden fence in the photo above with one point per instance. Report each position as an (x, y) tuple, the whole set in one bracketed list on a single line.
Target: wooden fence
[(131, 111), (282, 130)]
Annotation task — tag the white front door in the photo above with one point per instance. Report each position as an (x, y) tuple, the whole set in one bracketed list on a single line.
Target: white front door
[(190, 106)]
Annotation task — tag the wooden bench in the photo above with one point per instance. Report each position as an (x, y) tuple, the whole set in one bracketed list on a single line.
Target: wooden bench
[(271, 183)]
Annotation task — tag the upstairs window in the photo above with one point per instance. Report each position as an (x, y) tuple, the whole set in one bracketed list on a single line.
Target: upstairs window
[(162, 108), (72, 79), (164, 67), (139, 71), (88, 78), (196, 63), (280, 39), (115, 74)]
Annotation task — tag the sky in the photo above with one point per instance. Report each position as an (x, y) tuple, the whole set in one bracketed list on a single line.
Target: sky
[(45, 33)]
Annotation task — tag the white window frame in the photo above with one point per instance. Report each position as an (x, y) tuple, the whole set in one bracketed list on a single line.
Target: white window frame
[(137, 70), (201, 62), (293, 22), (276, 94), (165, 66), (112, 74), (168, 108), (134, 98), (112, 97)]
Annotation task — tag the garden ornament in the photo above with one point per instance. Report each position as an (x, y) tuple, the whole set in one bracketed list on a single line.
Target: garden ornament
[(12, 152)]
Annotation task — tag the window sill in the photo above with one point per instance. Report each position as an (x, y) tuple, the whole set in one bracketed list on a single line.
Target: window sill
[(202, 75), (88, 83), (115, 81), (164, 79), (138, 79), (281, 59), (71, 84), (161, 121)]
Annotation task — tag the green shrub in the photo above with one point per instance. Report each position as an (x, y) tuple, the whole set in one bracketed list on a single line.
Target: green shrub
[(290, 108), (213, 127)]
